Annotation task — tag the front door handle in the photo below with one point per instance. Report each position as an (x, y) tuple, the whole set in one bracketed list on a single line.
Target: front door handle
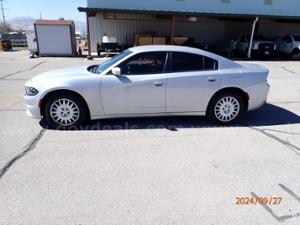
[(211, 79), (158, 83)]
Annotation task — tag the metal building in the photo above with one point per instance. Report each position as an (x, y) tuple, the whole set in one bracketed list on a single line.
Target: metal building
[(207, 22)]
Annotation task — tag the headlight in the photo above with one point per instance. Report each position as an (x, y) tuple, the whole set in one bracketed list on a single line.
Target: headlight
[(255, 46), (30, 91)]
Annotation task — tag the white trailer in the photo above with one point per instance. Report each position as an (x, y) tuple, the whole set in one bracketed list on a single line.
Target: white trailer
[(55, 37), (31, 41)]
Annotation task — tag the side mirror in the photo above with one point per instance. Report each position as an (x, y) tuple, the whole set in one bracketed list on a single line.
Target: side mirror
[(116, 71)]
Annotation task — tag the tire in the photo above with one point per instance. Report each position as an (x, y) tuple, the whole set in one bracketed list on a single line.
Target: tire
[(295, 54), (65, 110), (226, 108)]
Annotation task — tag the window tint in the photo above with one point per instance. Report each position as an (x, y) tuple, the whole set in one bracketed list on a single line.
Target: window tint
[(144, 63), (112, 61), (184, 62), (243, 39), (210, 64), (296, 37), (287, 39)]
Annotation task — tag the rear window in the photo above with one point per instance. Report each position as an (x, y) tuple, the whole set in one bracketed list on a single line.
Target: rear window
[(296, 37), (185, 62), (210, 64)]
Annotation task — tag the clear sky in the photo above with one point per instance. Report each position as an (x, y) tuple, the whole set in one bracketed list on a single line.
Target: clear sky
[(50, 9)]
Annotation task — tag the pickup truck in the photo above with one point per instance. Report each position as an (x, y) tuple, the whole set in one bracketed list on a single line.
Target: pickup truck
[(261, 46), (290, 45)]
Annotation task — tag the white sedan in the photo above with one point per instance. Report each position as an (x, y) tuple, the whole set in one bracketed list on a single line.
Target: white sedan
[(149, 81)]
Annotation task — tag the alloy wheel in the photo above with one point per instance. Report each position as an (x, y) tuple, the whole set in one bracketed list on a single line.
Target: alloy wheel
[(64, 112), (227, 109)]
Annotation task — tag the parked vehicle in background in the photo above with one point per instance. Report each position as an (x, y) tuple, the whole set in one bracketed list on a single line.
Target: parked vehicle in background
[(261, 46), (14, 41), (290, 45), (151, 80), (78, 35), (227, 48)]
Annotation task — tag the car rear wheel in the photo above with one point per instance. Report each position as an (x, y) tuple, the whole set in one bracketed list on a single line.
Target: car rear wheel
[(65, 110), (295, 54), (226, 108)]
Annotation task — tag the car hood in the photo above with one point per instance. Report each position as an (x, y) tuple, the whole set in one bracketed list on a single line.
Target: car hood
[(66, 73), (297, 43)]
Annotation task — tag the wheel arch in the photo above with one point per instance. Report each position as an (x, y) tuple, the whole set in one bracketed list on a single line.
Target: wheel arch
[(62, 91), (237, 90), (295, 51)]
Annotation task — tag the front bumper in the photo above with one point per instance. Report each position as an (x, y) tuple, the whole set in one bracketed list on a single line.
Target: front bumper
[(258, 95), (32, 106)]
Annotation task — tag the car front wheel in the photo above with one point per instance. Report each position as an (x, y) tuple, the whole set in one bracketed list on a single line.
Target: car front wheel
[(226, 108), (65, 110)]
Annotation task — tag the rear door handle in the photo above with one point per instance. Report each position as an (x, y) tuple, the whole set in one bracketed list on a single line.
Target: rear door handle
[(211, 79), (158, 83)]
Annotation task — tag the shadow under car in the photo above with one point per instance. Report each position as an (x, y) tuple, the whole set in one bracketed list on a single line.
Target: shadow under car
[(268, 115)]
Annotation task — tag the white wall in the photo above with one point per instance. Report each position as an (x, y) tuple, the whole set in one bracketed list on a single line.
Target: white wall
[(54, 40)]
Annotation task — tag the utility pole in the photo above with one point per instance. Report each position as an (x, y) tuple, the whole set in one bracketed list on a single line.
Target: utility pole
[(3, 15)]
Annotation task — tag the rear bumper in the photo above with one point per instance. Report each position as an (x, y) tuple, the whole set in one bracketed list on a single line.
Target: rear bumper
[(258, 95), (32, 106), (263, 52)]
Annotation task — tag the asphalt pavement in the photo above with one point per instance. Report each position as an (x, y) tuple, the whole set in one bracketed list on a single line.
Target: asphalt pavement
[(150, 171)]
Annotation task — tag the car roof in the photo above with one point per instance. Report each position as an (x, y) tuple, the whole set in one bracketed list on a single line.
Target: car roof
[(223, 62), (147, 48)]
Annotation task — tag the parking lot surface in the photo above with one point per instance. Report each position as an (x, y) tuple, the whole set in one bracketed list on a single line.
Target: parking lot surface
[(176, 170)]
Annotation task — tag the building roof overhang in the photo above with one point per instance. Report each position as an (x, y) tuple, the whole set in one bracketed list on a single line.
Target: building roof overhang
[(94, 11)]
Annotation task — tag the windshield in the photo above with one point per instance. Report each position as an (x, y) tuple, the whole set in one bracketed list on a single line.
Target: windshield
[(257, 38), (296, 37), (112, 61)]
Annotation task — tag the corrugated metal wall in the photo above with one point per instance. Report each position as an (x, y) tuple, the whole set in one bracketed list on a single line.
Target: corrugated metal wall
[(204, 30), (125, 26)]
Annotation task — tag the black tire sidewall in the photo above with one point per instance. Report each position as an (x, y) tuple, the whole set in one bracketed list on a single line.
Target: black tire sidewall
[(211, 108), (295, 54), (75, 99)]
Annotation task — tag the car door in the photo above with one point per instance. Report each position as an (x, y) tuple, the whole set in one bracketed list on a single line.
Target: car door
[(287, 44), (242, 43), (191, 82), (141, 87)]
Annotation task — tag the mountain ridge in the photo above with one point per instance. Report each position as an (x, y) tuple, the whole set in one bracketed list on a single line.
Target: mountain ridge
[(26, 23)]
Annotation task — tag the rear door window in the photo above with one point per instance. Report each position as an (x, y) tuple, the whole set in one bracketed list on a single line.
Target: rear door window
[(187, 62)]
